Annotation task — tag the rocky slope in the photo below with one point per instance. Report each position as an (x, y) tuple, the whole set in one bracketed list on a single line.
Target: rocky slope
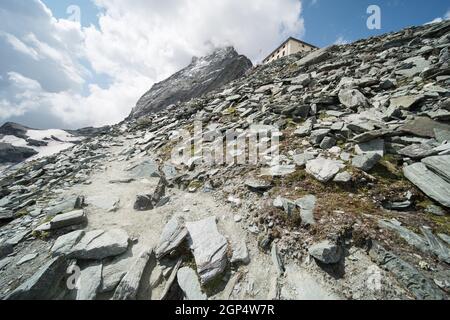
[(355, 206), (201, 76)]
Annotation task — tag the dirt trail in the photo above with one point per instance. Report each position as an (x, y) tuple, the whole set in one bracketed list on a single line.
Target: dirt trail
[(259, 277)]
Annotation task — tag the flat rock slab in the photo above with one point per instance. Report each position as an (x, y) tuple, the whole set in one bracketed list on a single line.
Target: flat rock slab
[(314, 57), (145, 169), (64, 220), (43, 284), (128, 287), (89, 282), (424, 127), (323, 169), (420, 286), (189, 284), (307, 206), (64, 244), (174, 233), (439, 165), (99, 244), (429, 182), (255, 184), (209, 248), (278, 170)]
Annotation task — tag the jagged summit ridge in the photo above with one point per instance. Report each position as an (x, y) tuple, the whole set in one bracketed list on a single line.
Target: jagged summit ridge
[(201, 76)]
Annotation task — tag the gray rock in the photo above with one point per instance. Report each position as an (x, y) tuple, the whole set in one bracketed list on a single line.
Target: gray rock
[(99, 244), (430, 183), (144, 202), (352, 98), (366, 162), (189, 284), (6, 215), (114, 272), (419, 285), (405, 102), (327, 143), (417, 151), (64, 244), (314, 57), (301, 159), (440, 165), (240, 253), (89, 282), (323, 169), (278, 170), (209, 248), (64, 220), (145, 169), (442, 135), (423, 127), (26, 258), (317, 136), (444, 238), (305, 129), (441, 250), (285, 204), (343, 177), (374, 146), (174, 233), (43, 284), (128, 287), (326, 252), (5, 249), (258, 185), (276, 259), (307, 205)]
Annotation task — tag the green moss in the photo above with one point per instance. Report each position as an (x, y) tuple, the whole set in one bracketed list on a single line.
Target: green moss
[(442, 223), (43, 235)]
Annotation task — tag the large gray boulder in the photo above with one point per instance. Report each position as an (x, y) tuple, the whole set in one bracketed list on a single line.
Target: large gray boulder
[(209, 248), (99, 244), (200, 77)]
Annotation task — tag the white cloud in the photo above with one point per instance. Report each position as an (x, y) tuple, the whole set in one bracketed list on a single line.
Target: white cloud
[(341, 40), (440, 19), (136, 44)]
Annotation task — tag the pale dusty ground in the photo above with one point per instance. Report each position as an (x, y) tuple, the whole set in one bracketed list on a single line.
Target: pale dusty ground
[(259, 276)]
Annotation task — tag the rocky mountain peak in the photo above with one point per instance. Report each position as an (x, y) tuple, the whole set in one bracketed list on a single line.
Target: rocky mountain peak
[(201, 76)]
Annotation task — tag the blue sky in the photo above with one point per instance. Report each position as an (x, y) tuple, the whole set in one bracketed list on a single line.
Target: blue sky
[(91, 72), (327, 20)]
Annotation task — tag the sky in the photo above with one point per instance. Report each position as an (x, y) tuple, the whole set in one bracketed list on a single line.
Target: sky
[(76, 63)]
